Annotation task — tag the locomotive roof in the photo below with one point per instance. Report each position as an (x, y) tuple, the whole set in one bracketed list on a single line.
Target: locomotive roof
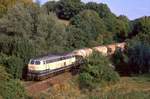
[(52, 56)]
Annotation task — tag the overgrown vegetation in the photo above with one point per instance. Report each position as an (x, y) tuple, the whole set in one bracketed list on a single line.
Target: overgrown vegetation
[(10, 88), (136, 56), (136, 87), (96, 71)]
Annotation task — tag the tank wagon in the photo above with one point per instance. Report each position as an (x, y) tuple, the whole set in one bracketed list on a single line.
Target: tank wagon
[(45, 66)]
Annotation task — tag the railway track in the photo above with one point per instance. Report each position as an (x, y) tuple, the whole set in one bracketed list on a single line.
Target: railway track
[(34, 87)]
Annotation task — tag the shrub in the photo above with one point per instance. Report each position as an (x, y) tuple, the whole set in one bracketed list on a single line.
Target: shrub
[(76, 38), (130, 95), (12, 90), (138, 54), (14, 65), (91, 25), (66, 9), (9, 88), (135, 59), (120, 60), (102, 9), (97, 70)]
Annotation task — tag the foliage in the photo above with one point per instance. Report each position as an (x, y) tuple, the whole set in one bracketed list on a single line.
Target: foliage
[(66, 9), (90, 23), (6, 4), (142, 25), (124, 27), (14, 65), (57, 38), (105, 38), (120, 27), (4, 75), (135, 58), (17, 22), (10, 89), (50, 6), (24, 49), (120, 60), (13, 90), (141, 30), (76, 38), (96, 71), (130, 95), (138, 54), (102, 9)]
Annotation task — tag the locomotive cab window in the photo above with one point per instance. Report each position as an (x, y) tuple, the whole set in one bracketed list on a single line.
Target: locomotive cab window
[(37, 62), (32, 62)]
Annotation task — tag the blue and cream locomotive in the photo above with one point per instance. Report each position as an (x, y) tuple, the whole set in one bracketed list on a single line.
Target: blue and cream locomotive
[(44, 66)]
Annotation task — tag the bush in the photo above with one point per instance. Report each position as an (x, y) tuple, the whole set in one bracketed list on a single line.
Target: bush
[(142, 25), (135, 59), (9, 88), (139, 57), (66, 9), (12, 90), (90, 23), (96, 71), (130, 95), (76, 38), (23, 48), (14, 65), (102, 9), (120, 60)]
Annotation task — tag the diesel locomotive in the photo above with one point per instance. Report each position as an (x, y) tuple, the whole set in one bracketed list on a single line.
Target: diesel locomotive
[(42, 67)]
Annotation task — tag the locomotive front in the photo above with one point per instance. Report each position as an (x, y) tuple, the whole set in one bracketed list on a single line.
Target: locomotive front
[(35, 68)]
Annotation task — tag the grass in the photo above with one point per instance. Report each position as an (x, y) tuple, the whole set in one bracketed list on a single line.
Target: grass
[(136, 87)]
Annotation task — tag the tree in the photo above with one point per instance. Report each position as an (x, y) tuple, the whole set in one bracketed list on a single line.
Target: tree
[(24, 48), (66, 9), (119, 27), (9, 88), (141, 29), (142, 25), (134, 59), (57, 38), (90, 23), (15, 54), (102, 9), (123, 28), (50, 6), (138, 56), (96, 71), (17, 22), (4, 75), (105, 38), (76, 38), (6, 4), (14, 66), (2, 10)]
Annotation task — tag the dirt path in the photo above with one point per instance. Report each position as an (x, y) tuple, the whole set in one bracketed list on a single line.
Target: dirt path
[(33, 87)]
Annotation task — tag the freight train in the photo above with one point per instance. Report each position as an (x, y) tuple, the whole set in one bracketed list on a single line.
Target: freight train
[(42, 67)]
